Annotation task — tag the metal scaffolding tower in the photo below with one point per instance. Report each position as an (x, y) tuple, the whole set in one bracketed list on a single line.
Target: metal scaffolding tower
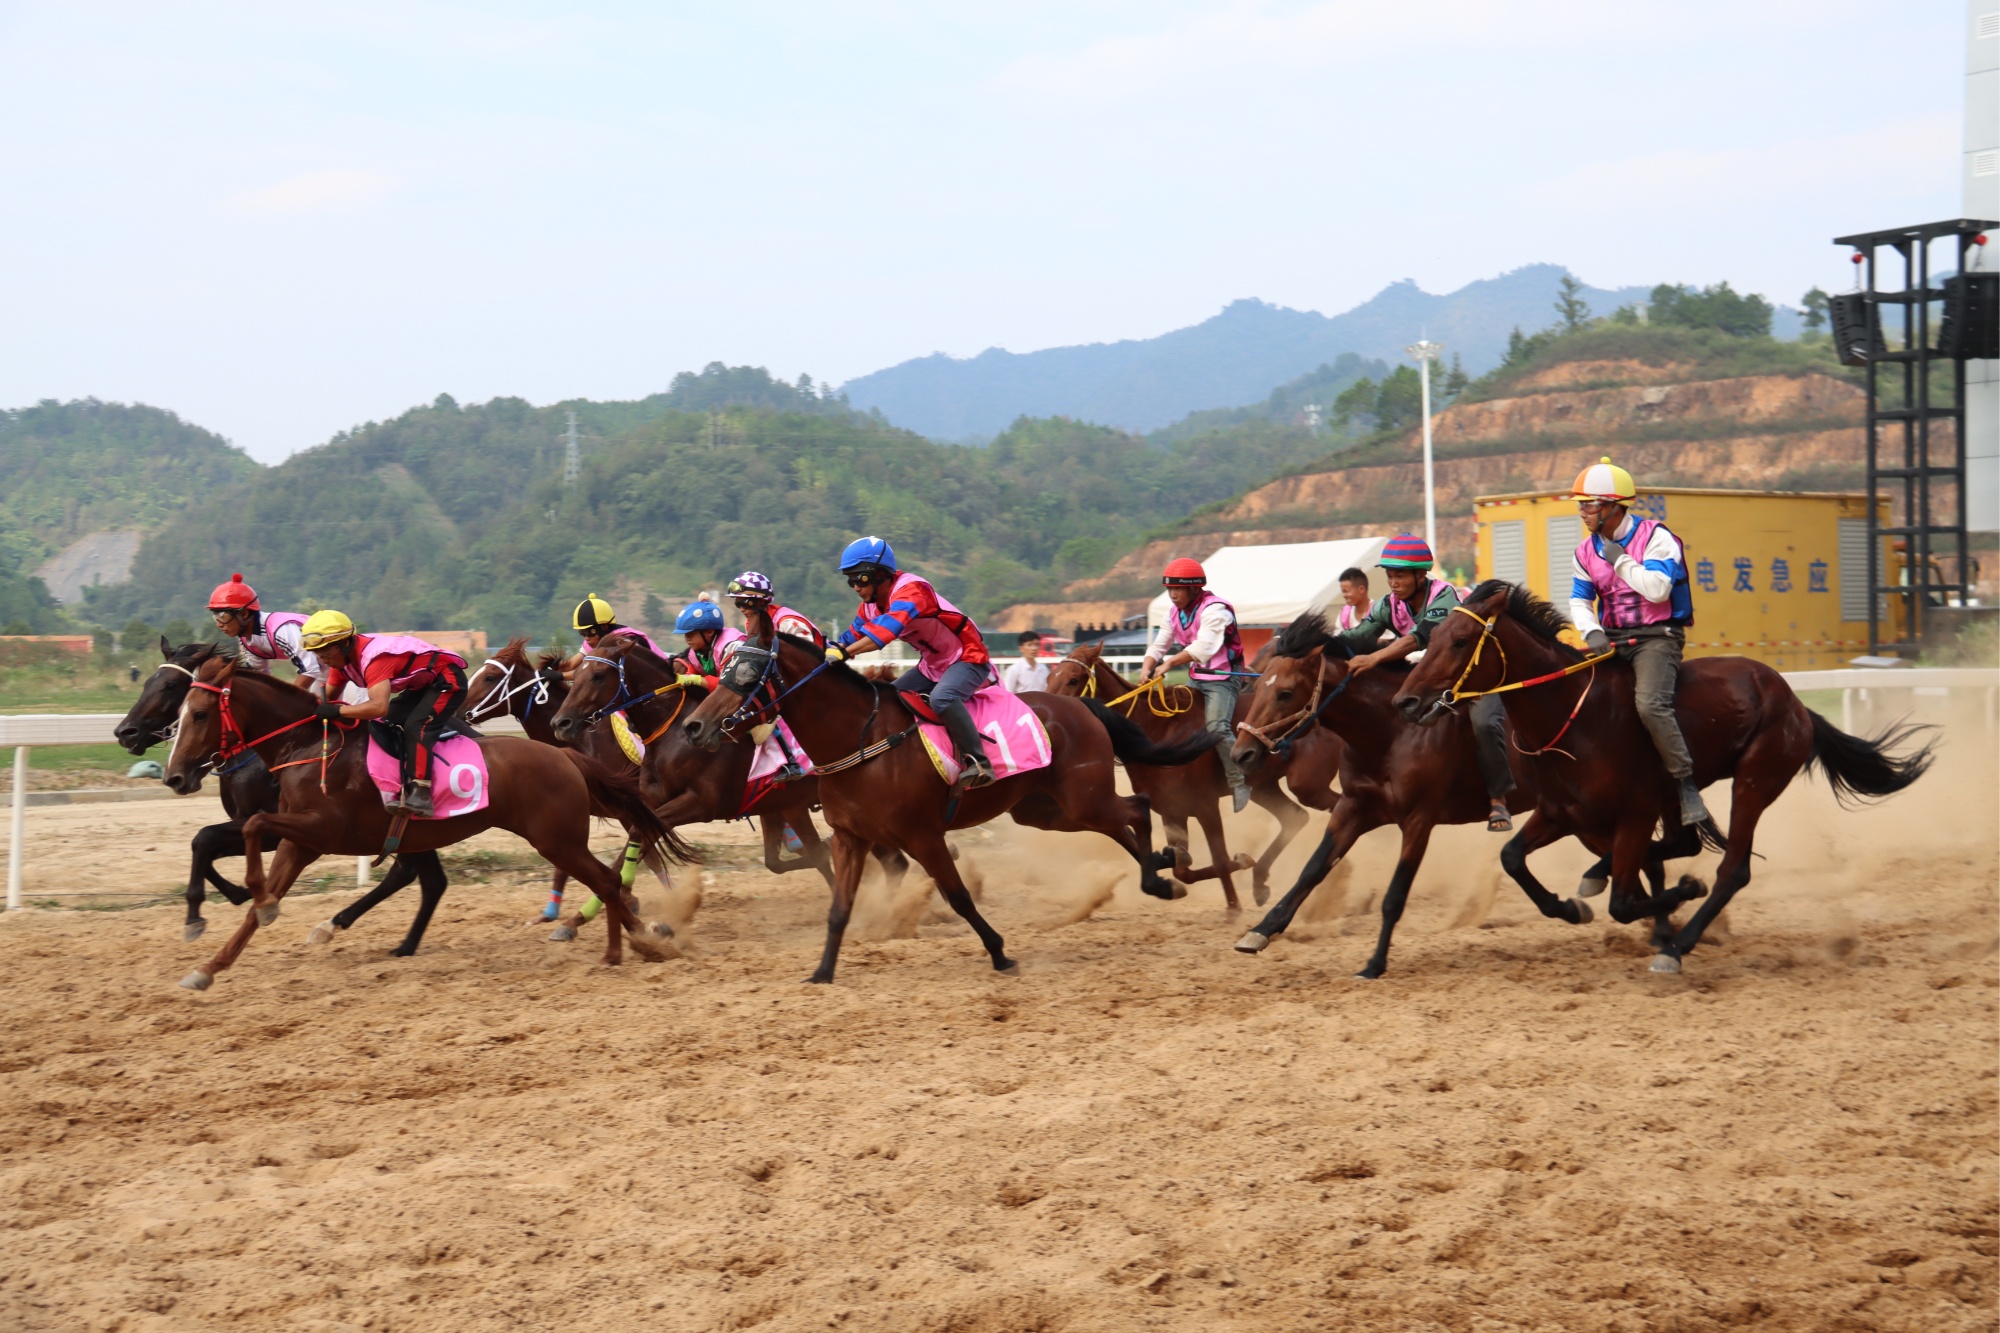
[(1917, 466), (572, 455)]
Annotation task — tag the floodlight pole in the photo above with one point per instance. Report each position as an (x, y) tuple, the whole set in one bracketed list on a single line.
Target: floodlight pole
[(1425, 351)]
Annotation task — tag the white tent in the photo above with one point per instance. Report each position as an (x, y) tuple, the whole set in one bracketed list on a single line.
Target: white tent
[(1274, 585)]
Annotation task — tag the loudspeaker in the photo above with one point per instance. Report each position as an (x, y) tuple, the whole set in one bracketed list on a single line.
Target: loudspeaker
[(1857, 328), (1971, 324)]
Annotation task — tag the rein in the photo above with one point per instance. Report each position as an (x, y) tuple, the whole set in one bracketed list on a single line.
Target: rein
[(231, 745), (749, 707), (1305, 717), (626, 698), (500, 695), (1454, 694), (1155, 692)]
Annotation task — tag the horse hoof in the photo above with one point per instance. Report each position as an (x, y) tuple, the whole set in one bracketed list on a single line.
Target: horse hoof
[(817, 980), (192, 931), (266, 913), (1007, 967), (1590, 888), (1583, 912), (661, 929), (323, 933), (1253, 942), (1365, 975), (197, 981), (1664, 962), (562, 934), (1260, 895)]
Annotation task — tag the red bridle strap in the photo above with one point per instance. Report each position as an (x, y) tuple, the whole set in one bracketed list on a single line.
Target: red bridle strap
[(232, 742)]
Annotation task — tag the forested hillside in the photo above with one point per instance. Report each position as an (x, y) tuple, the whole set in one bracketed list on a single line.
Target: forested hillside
[(458, 516)]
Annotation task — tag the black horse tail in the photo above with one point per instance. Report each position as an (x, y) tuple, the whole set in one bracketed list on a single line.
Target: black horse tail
[(1132, 746), (1860, 769), (614, 794)]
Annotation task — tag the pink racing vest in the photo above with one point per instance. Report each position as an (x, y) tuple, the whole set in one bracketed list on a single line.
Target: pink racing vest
[(422, 669), (264, 643), (1348, 617), (937, 647), (1183, 626), (1399, 610), (719, 652), (1618, 606), (782, 615)]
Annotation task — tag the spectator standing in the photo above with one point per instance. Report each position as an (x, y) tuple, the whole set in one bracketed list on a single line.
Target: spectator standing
[(1353, 599), (1030, 673)]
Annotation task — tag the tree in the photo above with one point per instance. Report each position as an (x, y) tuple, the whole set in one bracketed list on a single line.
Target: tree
[(138, 636), (1814, 304), (1455, 379), (1355, 407), (1570, 305), (1401, 400), (1718, 307), (653, 611)]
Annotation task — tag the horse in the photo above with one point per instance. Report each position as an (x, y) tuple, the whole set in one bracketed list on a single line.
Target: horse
[(1741, 719), (683, 783), (329, 805), (247, 788), (1194, 791), (876, 788)]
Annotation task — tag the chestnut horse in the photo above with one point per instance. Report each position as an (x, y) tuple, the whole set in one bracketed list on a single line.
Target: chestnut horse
[(248, 787), (683, 783), (1606, 783), (878, 786), (1172, 713), (328, 805)]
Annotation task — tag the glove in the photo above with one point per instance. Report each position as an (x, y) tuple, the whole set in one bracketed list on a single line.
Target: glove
[(329, 712), (685, 679), (1598, 643), (835, 653)]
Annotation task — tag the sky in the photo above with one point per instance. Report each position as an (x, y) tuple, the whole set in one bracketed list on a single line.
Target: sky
[(281, 221)]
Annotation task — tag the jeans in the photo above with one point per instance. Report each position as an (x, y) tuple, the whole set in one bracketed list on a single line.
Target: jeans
[(961, 681), (1656, 667), (1489, 738), (1218, 699)]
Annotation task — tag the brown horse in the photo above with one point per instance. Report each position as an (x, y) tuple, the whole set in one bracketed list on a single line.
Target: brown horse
[(685, 784), (247, 787), (878, 786), (1172, 714), (1606, 783), (328, 804)]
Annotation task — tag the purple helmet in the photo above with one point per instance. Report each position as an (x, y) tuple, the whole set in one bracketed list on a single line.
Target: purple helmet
[(750, 586)]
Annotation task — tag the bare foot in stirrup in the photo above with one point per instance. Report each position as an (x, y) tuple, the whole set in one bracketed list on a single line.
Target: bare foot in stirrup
[(1498, 820)]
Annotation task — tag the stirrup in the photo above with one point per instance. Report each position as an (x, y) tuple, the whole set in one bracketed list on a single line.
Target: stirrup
[(416, 800), (975, 772)]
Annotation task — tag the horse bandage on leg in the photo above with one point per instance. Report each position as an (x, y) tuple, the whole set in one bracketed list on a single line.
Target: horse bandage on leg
[(592, 908), (629, 869)]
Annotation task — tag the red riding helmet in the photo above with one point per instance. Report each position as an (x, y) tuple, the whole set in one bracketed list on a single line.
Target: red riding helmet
[(1184, 572), (235, 595)]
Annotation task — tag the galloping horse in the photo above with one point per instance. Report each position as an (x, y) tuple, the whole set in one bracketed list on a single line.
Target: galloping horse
[(329, 805), (1606, 784), (247, 787), (1195, 791), (875, 788), (684, 783)]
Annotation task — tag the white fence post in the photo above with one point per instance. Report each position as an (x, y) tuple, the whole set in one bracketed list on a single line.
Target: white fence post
[(14, 828), (360, 872)]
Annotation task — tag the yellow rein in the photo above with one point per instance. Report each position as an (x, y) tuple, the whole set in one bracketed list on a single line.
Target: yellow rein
[(1160, 701), (1454, 694)]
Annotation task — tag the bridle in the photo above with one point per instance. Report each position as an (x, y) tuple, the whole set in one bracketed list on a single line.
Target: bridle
[(1089, 687), (231, 746), (1293, 723), (1486, 631), (770, 676), (503, 691), (173, 728), (626, 697)]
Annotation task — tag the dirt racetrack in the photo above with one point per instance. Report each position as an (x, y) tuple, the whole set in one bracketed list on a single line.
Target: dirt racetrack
[(1518, 1128)]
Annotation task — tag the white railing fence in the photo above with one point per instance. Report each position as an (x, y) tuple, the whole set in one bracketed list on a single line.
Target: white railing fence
[(24, 732)]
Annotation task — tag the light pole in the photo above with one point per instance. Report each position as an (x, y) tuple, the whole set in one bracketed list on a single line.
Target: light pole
[(1425, 351)]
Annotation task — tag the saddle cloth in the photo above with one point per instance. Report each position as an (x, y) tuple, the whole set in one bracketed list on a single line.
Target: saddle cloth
[(458, 775), (767, 763), (1016, 740)]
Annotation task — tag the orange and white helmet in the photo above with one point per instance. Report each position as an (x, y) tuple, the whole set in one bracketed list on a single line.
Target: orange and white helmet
[(1604, 480)]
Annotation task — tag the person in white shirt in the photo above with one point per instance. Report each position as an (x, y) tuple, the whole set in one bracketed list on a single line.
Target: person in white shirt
[(1201, 635), (1030, 673)]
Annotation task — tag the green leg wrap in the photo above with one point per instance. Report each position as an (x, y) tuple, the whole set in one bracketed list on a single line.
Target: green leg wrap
[(629, 871), (591, 909)]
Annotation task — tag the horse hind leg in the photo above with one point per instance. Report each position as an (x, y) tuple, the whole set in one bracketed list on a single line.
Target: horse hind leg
[(209, 844), (1536, 833), (1218, 855), (399, 876), (1747, 803), (431, 884)]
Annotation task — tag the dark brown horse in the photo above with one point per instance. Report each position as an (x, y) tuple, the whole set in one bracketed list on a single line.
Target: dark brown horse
[(684, 783), (329, 806), (1171, 714), (1594, 768), (247, 787), (878, 786)]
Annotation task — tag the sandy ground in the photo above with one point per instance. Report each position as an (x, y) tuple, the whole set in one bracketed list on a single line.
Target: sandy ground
[(1519, 1127)]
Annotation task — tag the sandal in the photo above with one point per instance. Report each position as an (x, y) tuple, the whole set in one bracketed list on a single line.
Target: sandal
[(1498, 820)]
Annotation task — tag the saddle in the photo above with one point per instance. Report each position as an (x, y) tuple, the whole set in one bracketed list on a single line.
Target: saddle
[(388, 736), (920, 704)]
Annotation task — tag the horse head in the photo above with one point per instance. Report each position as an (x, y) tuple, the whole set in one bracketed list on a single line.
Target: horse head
[(504, 683), (150, 719), (1461, 657), (1071, 676), (596, 687), (199, 736), (1306, 661)]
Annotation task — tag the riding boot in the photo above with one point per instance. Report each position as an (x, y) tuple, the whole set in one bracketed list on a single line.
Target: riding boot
[(976, 770), (1694, 811), (417, 798)]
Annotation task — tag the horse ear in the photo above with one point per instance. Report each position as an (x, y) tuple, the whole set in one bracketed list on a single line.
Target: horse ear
[(166, 649)]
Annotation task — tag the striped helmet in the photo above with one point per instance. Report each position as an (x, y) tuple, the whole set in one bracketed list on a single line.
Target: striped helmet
[(1604, 480), (1406, 552)]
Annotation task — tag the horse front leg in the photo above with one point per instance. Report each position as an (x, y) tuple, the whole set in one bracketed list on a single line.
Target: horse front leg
[(214, 841), (1536, 832), (286, 863), (1347, 823), (848, 851), (431, 884), (1416, 837), (1218, 856), (1292, 820)]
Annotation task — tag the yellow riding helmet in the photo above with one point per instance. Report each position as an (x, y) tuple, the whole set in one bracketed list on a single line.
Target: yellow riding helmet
[(591, 612), (1604, 480), (324, 627)]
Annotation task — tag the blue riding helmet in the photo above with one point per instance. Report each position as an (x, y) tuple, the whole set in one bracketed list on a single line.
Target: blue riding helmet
[(698, 616), (868, 551)]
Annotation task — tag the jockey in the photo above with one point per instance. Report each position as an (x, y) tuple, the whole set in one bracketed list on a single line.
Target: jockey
[(1201, 634), (751, 590), (1629, 590), (427, 682), (710, 642), (1415, 605), (593, 620), (952, 661), (264, 636)]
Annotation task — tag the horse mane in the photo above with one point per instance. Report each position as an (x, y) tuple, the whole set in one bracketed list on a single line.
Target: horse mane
[(634, 647), (266, 678), (194, 654), (840, 670), (550, 657), (1538, 617), (516, 651), (1306, 633)]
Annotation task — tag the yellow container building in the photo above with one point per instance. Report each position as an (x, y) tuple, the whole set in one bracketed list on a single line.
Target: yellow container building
[(1780, 576)]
